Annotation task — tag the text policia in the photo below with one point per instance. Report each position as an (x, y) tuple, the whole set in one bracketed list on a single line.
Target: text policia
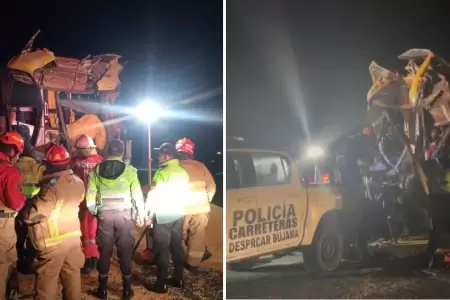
[(253, 228)]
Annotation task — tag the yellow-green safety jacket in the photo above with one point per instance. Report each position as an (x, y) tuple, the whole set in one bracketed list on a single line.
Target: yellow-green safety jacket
[(169, 193), (112, 185), (32, 172)]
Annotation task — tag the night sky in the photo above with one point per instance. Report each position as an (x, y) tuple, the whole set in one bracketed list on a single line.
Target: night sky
[(173, 51), (299, 68)]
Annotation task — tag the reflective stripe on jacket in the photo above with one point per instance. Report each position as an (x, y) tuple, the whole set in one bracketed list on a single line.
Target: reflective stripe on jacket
[(32, 173), (53, 217), (121, 191), (201, 186)]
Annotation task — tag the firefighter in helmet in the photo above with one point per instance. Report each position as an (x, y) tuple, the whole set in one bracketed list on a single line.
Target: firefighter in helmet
[(54, 227), (12, 200), (202, 190), (114, 195), (84, 160), (31, 172)]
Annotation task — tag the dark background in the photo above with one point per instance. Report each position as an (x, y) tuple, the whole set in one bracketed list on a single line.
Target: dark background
[(299, 69), (173, 51)]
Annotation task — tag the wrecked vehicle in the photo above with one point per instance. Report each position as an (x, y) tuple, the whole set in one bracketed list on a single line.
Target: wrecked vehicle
[(59, 98), (406, 178)]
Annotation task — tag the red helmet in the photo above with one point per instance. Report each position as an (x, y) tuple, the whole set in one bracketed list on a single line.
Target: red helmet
[(185, 145), (84, 142), (57, 155), (13, 138)]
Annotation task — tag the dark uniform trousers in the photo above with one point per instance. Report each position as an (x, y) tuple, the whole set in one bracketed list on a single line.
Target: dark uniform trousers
[(167, 238), (26, 253), (115, 228)]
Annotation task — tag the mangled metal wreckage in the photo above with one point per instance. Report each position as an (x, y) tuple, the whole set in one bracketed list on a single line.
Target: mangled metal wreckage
[(56, 84), (410, 117)]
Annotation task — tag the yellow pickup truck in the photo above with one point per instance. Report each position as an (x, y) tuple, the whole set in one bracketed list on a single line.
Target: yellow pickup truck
[(271, 210)]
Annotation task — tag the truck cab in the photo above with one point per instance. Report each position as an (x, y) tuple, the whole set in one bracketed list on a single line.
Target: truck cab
[(271, 210)]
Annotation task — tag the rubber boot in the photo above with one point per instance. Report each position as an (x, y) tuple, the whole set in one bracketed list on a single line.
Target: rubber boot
[(94, 261), (86, 269), (160, 286), (12, 285), (177, 279), (127, 292), (25, 267), (101, 291)]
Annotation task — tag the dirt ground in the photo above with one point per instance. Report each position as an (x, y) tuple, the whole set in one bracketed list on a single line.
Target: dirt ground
[(292, 281), (206, 285)]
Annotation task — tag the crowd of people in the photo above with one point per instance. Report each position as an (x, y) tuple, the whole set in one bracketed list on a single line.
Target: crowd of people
[(46, 207)]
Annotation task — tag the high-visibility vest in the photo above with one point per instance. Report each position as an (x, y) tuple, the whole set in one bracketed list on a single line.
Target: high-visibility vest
[(32, 173)]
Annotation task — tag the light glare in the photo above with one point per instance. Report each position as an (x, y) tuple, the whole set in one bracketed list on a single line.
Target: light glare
[(315, 152), (149, 112)]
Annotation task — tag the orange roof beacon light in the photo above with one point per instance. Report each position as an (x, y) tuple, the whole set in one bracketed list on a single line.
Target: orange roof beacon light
[(325, 178)]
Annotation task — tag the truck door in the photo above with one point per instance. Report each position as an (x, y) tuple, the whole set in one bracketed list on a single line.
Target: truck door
[(281, 202), (241, 198)]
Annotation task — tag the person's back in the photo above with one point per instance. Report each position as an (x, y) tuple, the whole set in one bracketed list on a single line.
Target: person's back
[(31, 172), (54, 228), (114, 195), (113, 178), (201, 185), (168, 197), (201, 192), (65, 191)]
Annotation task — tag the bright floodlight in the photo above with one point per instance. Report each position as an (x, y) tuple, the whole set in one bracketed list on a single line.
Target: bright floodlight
[(149, 111), (315, 152)]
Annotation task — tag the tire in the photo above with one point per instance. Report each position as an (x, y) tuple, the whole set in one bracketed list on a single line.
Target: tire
[(326, 252)]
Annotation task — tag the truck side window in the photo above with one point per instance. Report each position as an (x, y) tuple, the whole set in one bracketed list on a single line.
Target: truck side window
[(233, 177), (240, 170), (271, 169)]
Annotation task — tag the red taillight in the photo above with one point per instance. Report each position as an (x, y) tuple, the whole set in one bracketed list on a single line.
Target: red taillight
[(325, 178)]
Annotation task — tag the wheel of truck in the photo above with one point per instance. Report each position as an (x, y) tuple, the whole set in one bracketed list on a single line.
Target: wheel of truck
[(327, 250)]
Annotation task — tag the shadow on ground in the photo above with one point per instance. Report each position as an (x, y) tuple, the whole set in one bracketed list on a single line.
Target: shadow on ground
[(275, 282), (208, 284)]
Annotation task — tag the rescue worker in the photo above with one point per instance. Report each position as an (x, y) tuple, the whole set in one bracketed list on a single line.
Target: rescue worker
[(202, 190), (12, 200), (165, 204), (86, 158), (32, 173), (114, 195), (54, 228)]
